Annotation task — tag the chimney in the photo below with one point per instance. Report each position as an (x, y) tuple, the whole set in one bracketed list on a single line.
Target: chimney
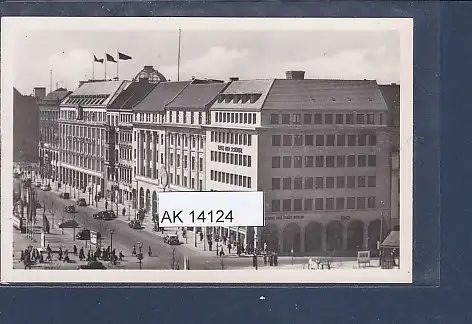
[(232, 79), (295, 75), (39, 92)]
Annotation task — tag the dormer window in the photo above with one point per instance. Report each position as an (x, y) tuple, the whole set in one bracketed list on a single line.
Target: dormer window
[(245, 98), (370, 99), (254, 97), (220, 98), (228, 98)]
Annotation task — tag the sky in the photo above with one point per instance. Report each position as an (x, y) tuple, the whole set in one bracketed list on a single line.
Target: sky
[(205, 54)]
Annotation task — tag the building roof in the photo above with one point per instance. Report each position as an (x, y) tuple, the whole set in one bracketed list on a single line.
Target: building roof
[(322, 94), (132, 95), (197, 95), (160, 96), (56, 95), (391, 94), (107, 90), (237, 89)]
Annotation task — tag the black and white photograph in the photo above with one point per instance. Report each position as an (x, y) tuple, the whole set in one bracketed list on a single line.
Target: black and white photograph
[(156, 150)]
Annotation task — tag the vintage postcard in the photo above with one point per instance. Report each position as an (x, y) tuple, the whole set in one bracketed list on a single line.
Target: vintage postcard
[(178, 150)]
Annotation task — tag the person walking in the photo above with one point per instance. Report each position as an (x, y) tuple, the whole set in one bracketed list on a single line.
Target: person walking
[(75, 250), (106, 204), (133, 253)]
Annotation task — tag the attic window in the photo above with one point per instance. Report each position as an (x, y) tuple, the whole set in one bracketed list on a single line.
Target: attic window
[(255, 97), (370, 99), (228, 98), (333, 99), (220, 98), (245, 98)]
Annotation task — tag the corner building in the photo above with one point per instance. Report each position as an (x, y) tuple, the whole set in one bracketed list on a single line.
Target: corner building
[(320, 152)]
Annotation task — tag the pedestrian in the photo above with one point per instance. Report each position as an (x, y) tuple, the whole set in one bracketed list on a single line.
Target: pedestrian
[(48, 248), (150, 251), (106, 204), (265, 259), (22, 257), (222, 252), (60, 254), (124, 211), (75, 249), (229, 247), (121, 256), (201, 236), (49, 257), (133, 253)]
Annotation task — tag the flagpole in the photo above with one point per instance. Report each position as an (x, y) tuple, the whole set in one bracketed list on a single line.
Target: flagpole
[(178, 61), (93, 69), (117, 62), (106, 59)]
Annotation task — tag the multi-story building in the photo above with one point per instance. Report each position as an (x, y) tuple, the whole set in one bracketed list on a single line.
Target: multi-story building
[(121, 110), (87, 150), (319, 149), (49, 140), (26, 125), (149, 143)]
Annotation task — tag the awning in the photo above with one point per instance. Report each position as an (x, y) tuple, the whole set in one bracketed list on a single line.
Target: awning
[(392, 240)]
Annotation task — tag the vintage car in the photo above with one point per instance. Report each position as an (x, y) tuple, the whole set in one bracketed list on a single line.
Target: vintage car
[(172, 239), (99, 215), (69, 209), (135, 224), (111, 213), (106, 216), (81, 202), (38, 184), (64, 195), (46, 187), (92, 265), (84, 234)]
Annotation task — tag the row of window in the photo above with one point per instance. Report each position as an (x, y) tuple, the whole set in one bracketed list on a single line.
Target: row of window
[(184, 161), (320, 161), (324, 140), (326, 118), (240, 98), (86, 100), (91, 163), (177, 114), (231, 178), (231, 138), (339, 182), (174, 138), (236, 118), (184, 182), (231, 158), (49, 115), (339, 203), (83, 131)]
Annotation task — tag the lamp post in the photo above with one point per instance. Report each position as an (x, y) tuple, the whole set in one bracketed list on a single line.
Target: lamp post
[(140, 256), (111, 239)]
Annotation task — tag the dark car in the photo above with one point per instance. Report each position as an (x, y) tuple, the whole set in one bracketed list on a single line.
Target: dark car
[(92, 265), (64, 195), (135, 224), (85, 235), (106, 216), (99, 215), (69, 209), (172, 240), (81, 202), (112, 214)]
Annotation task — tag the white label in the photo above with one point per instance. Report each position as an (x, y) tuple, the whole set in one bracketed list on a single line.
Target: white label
[(211, 208)]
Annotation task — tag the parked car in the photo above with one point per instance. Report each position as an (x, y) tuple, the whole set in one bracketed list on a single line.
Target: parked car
[(92, 265), (135, 224), (99, 215), (112, 214), (106, 216), (81, 202), (69, 209), (172, 239), (64, 195), (84, 234), (38, 184), (46, 187)]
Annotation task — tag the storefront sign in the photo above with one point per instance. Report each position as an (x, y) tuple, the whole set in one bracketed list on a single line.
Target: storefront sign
[(230, 149)]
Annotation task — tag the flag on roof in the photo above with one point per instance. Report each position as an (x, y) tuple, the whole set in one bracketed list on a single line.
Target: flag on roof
[(95, 59), (122, 56), (110, 58)]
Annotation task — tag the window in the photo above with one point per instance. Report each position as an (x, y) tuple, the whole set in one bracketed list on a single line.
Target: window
[(309, 183), (296, 119), (285, 119), (318, 203), (351, 140), (308, 161), (372, 160), (275, 140), (351, 181), (329, 203), (339, 119), (381, 119), (298, 140), (318, 119), (360, 203), (372, 140), (249, 161), (372, 181), (341, 140), (245, 118), (328, 119), (341, 161), (319, 161), (287, 205), (351, 203), (287, 162), (370, 119), (253, 118), (275, 205), (309, 140), (274, 119), (276, 162), (200, 164), (275, 183), (360, 119), (297, 162), (297, 204), (340, 203), (361, 181), (330, 139), (361, 161), (298, 183), (287, 183), (361, 140), (371, 202), (329, 182), (351, 161), (307, 119), (309, 204), (340, 182), (287, 140), (330, 161), (319, 182), (319, 140)]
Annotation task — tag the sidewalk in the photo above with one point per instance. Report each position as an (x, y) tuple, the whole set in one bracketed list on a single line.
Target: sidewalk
[(189, 241)]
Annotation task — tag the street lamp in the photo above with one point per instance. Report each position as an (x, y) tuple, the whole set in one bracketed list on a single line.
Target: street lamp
[(140, 255), (111, 239)]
